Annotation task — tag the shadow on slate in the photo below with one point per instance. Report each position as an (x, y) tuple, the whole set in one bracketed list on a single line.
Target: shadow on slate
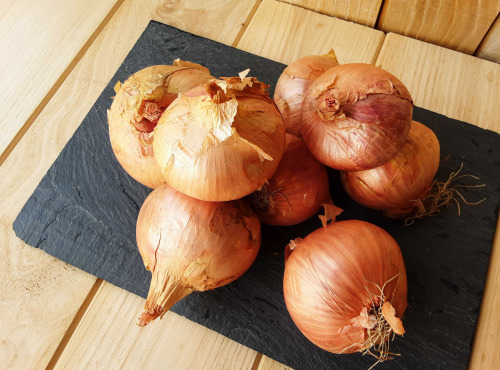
[(85, 208)]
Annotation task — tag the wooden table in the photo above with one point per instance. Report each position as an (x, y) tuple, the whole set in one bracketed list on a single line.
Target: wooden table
[(57, 56)]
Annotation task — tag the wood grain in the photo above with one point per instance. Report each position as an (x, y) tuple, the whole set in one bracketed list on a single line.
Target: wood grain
[(44, 48), (445, 81), (284, 32), (490, 46), (360, 11), (111, 339), (458, 25), (267, 363)]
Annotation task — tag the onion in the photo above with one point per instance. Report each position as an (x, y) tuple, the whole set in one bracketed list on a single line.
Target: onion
[(356, 117), (293, 84), (345, 287), (220, 141), (136, 109), (399, 185), (191, 245), (297, 189)]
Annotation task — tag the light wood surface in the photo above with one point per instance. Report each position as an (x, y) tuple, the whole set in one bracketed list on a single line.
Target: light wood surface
[(459, 25), (490, 46), (445, 81), (283, 33), (360, 11), (44, 48), (47, 306)]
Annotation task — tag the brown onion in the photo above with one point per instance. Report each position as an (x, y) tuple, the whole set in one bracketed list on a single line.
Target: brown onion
[(356, 117), (136, 109), (340, 285), (220, 141), (297, 189), (293, 84), (191, 245), (398, 186)]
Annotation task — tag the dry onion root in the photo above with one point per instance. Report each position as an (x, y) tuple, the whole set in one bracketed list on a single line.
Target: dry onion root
[(136, 109), (220, 141), (297, 189), (356, 117), (293, 84), (191, 245), (345, 288)]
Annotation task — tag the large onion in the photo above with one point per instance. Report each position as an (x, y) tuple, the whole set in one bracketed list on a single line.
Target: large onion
[(341, 285), (356, 117), (189, 245), (297, 189), (136, 109), (220, 141), (398, 186), (293, 84)]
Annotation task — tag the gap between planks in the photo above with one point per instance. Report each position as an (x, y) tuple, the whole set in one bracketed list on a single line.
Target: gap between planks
[(40, 107)]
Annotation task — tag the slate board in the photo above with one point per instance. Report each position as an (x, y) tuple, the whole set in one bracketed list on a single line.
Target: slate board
[(84, 212)]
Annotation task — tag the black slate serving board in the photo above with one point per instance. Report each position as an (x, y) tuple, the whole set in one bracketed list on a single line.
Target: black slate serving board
[(84, 212)]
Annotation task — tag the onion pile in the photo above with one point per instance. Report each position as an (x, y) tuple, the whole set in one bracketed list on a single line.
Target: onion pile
[(293, 84), (136, 109), (220, 141), (356, 117), (345, 287), (398, 186), (189, 245), (296, 191)]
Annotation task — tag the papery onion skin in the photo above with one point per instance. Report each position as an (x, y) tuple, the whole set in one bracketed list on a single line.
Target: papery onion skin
[(189, 245), (293, 84), (397, 185), (152, 88), (356, 117), (328, 277), (297, 189), (220, 141)]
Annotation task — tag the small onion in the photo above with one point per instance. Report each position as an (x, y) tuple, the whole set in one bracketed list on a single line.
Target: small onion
[(398, 185), (296, 191), (356, 117), (136, 109), (293, 84), (220, 141), (191, 245), (345, 287)]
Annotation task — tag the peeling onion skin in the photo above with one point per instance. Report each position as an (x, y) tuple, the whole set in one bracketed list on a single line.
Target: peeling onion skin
[(356, 117), (293, 84), (296, 190), (326, 280), (396, 186), (192, 245), (130, 135), (220, 141)]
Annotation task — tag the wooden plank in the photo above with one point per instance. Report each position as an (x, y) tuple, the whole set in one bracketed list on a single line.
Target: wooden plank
[(284, 32), (490, 46), (458, 25), (267, 363), (41, 296), (465, 88), (360, 11), (47, 36), (112, 339), (445, 81)]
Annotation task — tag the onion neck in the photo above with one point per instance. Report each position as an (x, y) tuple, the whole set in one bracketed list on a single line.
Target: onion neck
[(164, 292)]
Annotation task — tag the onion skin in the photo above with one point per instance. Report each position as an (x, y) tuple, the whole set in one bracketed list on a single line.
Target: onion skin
[(191, 245), (130, 133), (293, 84), (397, 186), (297, 189), (327, 276), (220, 141), (356, 117)]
